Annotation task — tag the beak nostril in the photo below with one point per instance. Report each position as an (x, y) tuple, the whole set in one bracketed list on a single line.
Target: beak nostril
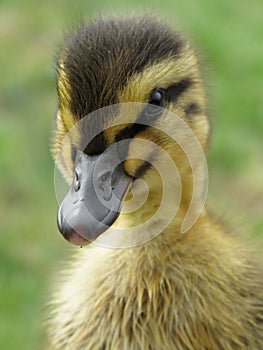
[(76, 186), (105, 177), (76, 182)]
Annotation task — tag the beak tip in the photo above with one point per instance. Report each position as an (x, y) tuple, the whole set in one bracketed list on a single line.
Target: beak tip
[(71, 235), (74, 238)]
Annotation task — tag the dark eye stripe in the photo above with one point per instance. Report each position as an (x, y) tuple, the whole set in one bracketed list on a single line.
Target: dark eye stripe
[(132, 129), (177, 89), (143, 122)]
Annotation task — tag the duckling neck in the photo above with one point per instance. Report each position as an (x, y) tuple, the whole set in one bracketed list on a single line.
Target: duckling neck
[(151, 212)]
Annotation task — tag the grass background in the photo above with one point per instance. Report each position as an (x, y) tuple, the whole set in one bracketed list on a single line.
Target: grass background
[(229, 34)]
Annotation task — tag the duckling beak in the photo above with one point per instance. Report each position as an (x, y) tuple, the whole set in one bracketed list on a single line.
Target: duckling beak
[(93, 201)]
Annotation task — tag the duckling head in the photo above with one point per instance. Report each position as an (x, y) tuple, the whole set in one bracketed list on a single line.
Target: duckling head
[(130, 94)]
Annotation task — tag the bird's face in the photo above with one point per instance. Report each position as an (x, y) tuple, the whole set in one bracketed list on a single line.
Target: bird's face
[(125, 88)]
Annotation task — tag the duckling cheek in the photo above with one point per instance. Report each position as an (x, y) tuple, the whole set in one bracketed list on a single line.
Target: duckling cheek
[(132, 165), (140, 151)]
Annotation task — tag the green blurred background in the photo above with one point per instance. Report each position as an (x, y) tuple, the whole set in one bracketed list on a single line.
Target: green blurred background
[(229, 37)]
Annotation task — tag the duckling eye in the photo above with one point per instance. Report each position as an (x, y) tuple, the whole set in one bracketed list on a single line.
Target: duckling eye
[(156, 103), (76, 181), (157, 98)]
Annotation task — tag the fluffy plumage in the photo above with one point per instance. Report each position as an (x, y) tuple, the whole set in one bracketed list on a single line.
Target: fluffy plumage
[(201, 290)]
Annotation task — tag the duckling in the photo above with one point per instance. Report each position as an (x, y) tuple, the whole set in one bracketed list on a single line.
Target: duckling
[(137, 80)]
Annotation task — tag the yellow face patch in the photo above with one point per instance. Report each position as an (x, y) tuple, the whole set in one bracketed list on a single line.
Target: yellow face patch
[(162, 74), (64, 92), (64, 88)]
